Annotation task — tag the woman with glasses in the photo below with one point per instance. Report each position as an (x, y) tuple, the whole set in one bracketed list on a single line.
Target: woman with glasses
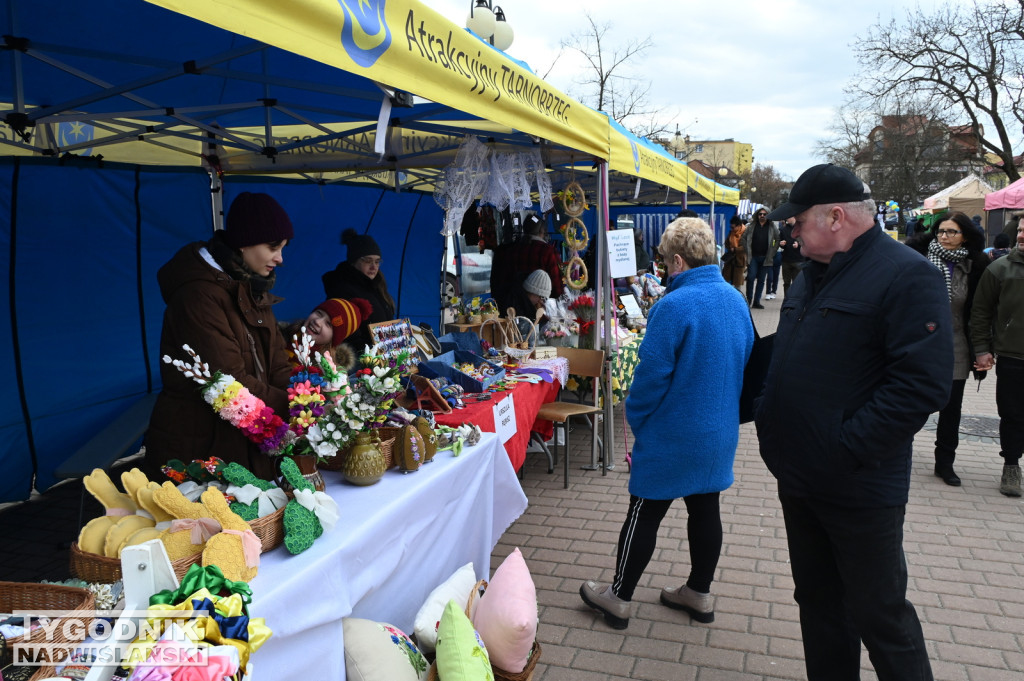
[(359, 276), (956, 248)]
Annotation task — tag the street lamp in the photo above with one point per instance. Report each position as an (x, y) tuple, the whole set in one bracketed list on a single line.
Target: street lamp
[(488, 22), (722, 172)]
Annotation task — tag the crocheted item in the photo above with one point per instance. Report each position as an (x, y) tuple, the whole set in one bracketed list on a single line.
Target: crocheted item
[(226, 550), (301, 526), (462, 181), (239, 475)]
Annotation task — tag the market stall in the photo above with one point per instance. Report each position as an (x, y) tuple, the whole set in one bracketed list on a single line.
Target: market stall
[(394, 542)]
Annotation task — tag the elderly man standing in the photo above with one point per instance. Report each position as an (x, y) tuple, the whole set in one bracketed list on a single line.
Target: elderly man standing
[(997, 329), (857, 368), (760, 241)]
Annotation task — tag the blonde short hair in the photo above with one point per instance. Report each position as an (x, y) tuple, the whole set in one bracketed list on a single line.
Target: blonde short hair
[(691, 238)]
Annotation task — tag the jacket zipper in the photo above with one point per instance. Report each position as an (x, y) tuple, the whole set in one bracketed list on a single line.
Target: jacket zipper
[(255, 355)]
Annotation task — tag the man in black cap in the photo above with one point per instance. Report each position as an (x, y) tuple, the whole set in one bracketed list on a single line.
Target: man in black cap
[(857, 368)]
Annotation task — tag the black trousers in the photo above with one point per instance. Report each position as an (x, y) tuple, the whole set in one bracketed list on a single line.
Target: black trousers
[(851, 586), (947, 434), (639, 535), (1010, 403)]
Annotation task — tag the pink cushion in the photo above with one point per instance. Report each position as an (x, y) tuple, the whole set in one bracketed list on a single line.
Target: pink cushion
[(506, 615)]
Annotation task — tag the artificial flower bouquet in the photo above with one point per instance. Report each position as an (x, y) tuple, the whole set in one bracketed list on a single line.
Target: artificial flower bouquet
[(377, 383), (313, 385), (583, 309)]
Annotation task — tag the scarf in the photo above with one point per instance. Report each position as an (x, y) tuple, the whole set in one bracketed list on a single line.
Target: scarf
[(234, 266), (940, 256)]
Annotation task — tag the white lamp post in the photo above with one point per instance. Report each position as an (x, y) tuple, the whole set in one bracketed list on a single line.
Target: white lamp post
[(488, 22), (722, 172)]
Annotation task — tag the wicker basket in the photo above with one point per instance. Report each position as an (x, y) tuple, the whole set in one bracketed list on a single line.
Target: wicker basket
[(514, 339), (387, 436), (22, 596), (499, 673), (269, 529), (92, 567)]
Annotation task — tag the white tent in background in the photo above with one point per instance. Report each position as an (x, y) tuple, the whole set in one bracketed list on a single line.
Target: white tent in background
[(966, 196)]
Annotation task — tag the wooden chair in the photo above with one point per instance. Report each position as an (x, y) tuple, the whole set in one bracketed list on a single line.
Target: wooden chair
[(581, 363)]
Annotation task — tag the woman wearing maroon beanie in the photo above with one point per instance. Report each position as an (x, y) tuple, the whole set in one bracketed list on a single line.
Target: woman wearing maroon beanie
[(219, 302), (359, 276)]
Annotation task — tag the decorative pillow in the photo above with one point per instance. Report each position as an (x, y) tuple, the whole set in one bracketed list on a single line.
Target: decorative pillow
[(375, 651), (461, 654), (455, 588), (506, 615)]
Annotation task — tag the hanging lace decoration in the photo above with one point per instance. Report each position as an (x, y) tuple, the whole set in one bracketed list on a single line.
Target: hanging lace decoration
[(461, 182), (497, 193), (536, 172)]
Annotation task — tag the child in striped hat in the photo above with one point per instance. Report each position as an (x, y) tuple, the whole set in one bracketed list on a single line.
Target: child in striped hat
[(330, 323)]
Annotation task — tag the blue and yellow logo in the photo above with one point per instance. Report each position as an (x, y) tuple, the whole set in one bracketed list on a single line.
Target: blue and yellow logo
[(75, 132), (365, 35), (636, 156)]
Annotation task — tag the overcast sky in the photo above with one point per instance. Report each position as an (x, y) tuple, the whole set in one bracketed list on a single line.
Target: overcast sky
[(765, 72)]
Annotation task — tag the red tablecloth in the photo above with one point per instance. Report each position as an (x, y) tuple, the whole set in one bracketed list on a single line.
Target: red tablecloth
[(528, 399)]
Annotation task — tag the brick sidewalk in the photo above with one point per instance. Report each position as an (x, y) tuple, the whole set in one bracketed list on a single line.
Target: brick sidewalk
[(964, 546)]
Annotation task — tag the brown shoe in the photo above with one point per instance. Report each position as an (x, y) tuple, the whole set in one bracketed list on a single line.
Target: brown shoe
[(601, 598), (684, 598)]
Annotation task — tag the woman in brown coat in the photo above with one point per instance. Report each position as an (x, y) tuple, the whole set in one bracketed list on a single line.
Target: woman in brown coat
[(219, 302), (734, 260)]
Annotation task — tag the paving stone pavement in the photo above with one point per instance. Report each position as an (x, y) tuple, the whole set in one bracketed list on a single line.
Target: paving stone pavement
[(964, 548)]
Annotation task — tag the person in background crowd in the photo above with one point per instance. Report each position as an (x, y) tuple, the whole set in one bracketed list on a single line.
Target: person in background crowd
[(850, 345), (643, 258), (685, 451), (760, 242), (734, 261), (912, 226), (772, 279), (1010, 228), (955, 248), (219, 302), (1000, 246), (359, 276), (329, 325), (792, 259), (513, 263), (976, 219), (997, 332), (528, 301)]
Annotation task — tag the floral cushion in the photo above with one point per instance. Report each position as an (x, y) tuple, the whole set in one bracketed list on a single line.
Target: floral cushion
[(376, 651), (506, 615), (461, 653), (455, 588)]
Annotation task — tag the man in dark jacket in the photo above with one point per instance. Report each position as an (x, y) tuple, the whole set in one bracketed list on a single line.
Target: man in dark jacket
[(760, 241), (792, 258), (997, 330), (857, 368)]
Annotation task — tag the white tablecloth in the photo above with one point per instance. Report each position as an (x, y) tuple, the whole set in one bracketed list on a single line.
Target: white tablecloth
[(395, 541)]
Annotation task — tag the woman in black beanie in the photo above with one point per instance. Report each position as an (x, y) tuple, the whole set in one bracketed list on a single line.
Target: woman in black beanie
[(219, 302), (359, 276)]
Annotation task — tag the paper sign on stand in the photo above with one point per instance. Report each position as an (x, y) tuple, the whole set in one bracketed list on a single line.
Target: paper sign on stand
[(631, 306), (621, 253), (505, 419)]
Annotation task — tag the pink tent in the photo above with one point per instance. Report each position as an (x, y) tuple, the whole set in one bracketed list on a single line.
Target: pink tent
[(1011, 197)]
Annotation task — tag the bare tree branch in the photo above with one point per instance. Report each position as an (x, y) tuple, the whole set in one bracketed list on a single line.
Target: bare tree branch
[(607, 84)]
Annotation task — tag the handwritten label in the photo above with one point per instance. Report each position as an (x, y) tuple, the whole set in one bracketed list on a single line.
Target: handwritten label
[(621, 253), (505, 419)]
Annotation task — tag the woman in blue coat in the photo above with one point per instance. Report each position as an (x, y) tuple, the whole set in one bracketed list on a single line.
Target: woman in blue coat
[(683, 408)]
